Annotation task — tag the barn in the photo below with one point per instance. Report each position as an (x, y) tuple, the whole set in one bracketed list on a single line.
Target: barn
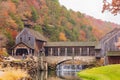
[(109, 47), (27, 42)]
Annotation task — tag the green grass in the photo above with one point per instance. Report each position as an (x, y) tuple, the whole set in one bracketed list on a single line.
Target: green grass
[(110, 72)]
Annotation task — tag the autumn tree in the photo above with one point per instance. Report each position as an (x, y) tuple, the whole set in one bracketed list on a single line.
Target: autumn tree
[(112, 6), (3, 40), (62, 36)]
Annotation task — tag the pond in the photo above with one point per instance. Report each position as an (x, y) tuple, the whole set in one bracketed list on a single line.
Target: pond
[(62, 72), (54, 75)]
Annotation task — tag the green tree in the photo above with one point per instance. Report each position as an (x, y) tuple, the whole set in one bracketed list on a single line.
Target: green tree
[(34, 13), (10, 41), (15, 1), (18, 21), (51, 32), (38, 28), (72, 35)]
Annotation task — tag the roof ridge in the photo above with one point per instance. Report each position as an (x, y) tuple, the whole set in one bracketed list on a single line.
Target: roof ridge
[(37, 34)]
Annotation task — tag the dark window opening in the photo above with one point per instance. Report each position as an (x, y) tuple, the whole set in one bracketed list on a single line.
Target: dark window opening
[(20, 38), (28, 38), (21, 51)]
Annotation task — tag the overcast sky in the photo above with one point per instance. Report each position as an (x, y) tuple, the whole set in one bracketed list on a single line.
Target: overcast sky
[(92, 8)]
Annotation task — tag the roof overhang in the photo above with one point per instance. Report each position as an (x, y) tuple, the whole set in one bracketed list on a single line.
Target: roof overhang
[(20, 45), (113, 53), (69, 44)]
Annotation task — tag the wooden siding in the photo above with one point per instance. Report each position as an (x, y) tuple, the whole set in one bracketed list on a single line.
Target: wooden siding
[(114, 59), (38, 46), (108, 42), (25, 37)]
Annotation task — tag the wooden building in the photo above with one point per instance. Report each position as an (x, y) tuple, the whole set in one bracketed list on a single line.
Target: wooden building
[(28, 41), (109, 49), (71, 48)]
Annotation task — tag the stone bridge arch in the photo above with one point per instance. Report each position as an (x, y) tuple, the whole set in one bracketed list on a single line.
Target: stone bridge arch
[(55, 60), (69, 61)]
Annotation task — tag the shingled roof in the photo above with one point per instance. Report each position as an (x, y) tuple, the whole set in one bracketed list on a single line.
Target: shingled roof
[(36, 34), (54, 44)]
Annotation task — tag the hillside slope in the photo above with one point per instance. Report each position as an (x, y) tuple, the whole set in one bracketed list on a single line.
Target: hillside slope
[(50, 19)]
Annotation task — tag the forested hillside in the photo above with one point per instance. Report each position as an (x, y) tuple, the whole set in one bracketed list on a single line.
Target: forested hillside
[(51, 19)]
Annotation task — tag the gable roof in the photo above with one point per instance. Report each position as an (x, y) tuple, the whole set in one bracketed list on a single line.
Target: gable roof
[(54, 44), (36, 34), (32, 47), (110, 33)]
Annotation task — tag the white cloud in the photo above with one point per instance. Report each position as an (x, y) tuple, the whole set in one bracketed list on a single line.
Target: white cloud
[(92, 8)]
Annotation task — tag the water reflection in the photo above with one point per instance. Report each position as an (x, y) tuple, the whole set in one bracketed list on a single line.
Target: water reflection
[(68, 71), (68, 75), (69, 67), (63, 72), (56, 75)]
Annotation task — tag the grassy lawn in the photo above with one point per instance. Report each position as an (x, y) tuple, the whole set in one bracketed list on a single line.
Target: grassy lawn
[(110, 72)]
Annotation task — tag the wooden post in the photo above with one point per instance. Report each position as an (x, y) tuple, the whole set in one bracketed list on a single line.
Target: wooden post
[(12, 52), (80, 51), (65, 51), (73, 50), (15, 52), (51, 51), (73, 55), (31, 51), (58, 51), (88, 52)]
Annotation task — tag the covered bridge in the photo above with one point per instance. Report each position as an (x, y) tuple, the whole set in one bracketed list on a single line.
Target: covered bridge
[(29, 41), (71, 48)]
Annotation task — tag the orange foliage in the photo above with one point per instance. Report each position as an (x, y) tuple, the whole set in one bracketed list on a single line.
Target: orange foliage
[(97, 32), (82, 36), (5, 13), (33, 3), (12, 23), (14, 33), (113, 6), (3, 17), (27, 14), (7, 7), (12, 6), (62, 36)]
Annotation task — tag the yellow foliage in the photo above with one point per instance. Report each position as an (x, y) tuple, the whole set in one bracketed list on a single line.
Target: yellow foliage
[(28, 14), (12, 74), (12, 23), (3, 52), (62, 36)]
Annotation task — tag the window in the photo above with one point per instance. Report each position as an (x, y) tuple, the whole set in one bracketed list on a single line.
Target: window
[(69, 51), (28, 38), (20, 38), (62, 51), (77, 51)]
